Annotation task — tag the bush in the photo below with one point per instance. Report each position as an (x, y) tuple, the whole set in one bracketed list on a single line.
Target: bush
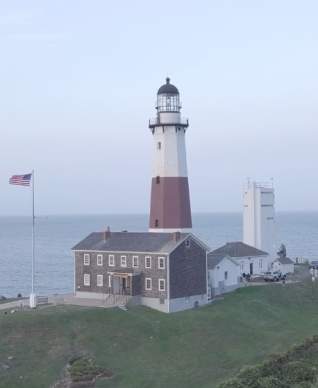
[(293, 369), (84, 369)]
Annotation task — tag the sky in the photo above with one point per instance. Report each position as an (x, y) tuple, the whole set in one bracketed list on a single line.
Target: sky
[(79, 81)]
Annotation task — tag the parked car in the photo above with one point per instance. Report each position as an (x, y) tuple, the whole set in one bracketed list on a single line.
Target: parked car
[(274, 276)]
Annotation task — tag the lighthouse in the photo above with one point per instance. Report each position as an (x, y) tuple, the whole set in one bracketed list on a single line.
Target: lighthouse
[(259, 216), (170, 200)]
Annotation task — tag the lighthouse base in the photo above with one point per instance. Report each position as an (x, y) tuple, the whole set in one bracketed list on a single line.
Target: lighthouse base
[(170, 205)]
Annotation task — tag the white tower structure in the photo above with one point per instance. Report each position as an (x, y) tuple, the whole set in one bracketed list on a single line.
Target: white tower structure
[(259, 216), (170, 200)]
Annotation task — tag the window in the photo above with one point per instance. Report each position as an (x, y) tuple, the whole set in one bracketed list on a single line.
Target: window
[(148, 262), (225, 275), (188, 243), (157, 179), (99, 259), (161, 262), (159, 145), (261, 263), (110, 281), (86, 259), (87, 279), (156, 223), (123, 261), (135, 261), (242, 266), (148, 284), (100, 280), (162, 284), (111, 260)]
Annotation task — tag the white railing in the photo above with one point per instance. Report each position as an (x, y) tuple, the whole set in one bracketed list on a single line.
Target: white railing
[(156, 121)]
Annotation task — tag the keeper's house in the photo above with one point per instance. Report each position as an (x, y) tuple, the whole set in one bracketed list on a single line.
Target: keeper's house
[(165, 271)]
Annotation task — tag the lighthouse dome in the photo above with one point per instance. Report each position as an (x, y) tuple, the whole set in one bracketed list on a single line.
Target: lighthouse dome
[(168, 88)]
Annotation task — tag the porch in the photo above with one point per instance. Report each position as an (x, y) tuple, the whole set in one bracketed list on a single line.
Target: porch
[(124, 282)]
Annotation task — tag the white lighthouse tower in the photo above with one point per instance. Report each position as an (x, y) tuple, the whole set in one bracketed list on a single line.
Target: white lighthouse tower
[(170, 201), (259, 216)]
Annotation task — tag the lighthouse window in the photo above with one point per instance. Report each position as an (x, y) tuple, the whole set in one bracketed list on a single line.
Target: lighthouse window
[(159, 145)]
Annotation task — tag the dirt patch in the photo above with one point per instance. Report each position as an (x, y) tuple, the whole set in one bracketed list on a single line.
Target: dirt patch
[(82, 372)]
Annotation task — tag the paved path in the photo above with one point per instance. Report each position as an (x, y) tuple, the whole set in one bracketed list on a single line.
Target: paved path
[(16, 304), (64, 299)]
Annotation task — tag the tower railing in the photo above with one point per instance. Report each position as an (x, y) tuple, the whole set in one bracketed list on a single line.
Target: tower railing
[(156, 121), (264, 185)]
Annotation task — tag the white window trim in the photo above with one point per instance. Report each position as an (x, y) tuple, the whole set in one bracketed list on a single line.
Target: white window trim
[(87, 259), (164, 284), (113, 260), (99, 257), (121, 261), (133, 261), (147, 257), (87, 276), (109, 281), (98, 283), (148, 288), (164, 262)]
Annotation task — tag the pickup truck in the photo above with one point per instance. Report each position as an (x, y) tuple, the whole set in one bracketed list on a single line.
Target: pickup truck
[(274, 276)]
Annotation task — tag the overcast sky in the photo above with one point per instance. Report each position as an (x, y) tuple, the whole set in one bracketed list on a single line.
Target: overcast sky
[(79, 80)]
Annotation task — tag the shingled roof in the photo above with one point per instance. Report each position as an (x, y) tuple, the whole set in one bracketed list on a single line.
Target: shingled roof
[(285, 260), (214, 260), (130, 242), (238, 249)]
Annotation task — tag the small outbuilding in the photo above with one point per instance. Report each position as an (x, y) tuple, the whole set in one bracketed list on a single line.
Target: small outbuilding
[(252, 261), (223, 274), (284, 264)]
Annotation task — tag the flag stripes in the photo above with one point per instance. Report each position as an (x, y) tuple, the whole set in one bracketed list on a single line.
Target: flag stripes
[(21, 180)]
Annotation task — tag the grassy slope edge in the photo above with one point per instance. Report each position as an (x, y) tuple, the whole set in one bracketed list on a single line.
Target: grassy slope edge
[(146, 348)]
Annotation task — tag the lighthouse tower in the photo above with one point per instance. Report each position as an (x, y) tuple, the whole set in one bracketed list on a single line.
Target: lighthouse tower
[(259, 216), (170, 201)]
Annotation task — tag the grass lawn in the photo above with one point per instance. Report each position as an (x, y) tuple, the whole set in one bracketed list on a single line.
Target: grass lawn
[(145, 348)]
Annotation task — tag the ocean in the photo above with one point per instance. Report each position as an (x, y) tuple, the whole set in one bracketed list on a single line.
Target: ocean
[(55, 236)]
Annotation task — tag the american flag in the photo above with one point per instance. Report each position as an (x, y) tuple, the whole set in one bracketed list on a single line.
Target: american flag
[(21, 180)]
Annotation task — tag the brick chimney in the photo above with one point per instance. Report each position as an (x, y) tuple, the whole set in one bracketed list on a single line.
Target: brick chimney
[(107, 234), (176, 236)]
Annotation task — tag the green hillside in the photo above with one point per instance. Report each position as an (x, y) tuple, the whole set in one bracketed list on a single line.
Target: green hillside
[(145, 348)]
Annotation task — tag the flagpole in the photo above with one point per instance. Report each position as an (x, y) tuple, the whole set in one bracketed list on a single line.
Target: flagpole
[(32, 295)]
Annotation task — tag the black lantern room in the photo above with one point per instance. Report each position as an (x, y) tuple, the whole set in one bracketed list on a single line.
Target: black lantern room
[(168, 98)]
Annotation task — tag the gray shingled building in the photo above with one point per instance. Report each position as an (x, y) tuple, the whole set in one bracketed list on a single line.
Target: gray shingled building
[(165, 271)]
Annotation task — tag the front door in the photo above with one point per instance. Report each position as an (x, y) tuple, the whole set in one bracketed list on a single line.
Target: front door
[(123, 285), (116, 285), (251, 268)]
